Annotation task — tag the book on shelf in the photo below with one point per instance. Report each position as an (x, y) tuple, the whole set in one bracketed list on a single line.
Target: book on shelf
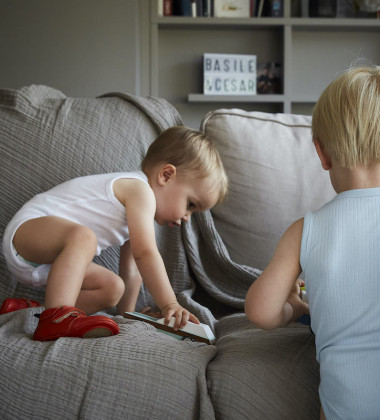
[(259, 8), (182, 8), (322, 8), (168, 7), (165, 7), (276, 8), (345, 9), (194, 8), (204, 8), (269, 8), (221, 8), (208, 8), (252, 7)]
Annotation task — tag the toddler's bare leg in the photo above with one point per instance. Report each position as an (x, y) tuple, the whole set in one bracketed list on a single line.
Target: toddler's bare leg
[(69, 247), (101, 289), (322, 415)]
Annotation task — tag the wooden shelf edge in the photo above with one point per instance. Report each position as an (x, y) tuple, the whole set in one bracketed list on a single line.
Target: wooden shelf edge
[(200, 97), (297, 22)]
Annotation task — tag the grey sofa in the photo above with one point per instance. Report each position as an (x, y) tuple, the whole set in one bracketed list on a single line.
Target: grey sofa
[(46, 138)]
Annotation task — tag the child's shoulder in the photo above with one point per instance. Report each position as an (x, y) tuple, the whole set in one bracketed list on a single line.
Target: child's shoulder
[(94, 180), (130, 178), (133, 187)]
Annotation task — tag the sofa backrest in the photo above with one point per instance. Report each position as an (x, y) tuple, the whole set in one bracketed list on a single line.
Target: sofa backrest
[(275, 178)]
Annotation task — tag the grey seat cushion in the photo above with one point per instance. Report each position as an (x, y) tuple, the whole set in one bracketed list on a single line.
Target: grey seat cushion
[(137, 374), (261, 375)]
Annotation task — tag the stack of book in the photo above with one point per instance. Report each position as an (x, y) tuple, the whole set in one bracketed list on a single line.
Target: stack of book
[(193, 8), (221, 8)]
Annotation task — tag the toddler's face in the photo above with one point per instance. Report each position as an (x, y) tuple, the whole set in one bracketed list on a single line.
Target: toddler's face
[(181, 197)]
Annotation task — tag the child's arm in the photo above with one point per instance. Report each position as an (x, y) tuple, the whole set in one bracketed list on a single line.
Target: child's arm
[(140, 205), (129, 272), (273, 299)]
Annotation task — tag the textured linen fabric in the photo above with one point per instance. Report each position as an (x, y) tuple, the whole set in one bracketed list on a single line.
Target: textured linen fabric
[(47, 138), (137, 374), (340, 257), (263, 375), (275, 178)]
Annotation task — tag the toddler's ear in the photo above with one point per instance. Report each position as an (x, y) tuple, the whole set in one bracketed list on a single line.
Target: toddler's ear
[(166, 173), (323, 156)]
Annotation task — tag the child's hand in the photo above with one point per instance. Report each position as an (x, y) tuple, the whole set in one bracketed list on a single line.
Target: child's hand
[(181, 315), (294, 299)]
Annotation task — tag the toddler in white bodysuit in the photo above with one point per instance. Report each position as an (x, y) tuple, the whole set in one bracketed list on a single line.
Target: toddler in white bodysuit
[(53, 238)]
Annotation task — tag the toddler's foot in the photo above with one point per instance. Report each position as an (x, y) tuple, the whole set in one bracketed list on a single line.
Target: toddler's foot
[(14, 304), (69, 321)]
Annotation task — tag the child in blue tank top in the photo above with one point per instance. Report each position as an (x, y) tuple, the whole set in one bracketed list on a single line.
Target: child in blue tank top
[(338, 248)]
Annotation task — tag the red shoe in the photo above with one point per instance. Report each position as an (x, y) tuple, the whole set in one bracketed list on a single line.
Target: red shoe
[(14, 304), (69, 321)]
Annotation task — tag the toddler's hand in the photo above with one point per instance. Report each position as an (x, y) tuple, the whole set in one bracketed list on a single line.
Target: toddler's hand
[(181, 315), (294, 299)]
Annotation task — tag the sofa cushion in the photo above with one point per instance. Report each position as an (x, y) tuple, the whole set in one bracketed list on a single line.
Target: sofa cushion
[(260, 375), (138, 374), (275, 178)]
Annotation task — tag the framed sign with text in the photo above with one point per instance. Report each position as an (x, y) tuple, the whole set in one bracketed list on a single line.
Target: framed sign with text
[(229, 74)]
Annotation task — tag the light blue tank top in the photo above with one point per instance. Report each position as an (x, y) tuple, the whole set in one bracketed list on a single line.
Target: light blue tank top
[(340, 257)]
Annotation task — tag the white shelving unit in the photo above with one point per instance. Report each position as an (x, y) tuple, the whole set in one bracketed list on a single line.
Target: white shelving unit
[(312, 52)]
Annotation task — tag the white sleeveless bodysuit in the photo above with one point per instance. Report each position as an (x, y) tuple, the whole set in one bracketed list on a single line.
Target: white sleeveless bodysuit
[(88, 201)]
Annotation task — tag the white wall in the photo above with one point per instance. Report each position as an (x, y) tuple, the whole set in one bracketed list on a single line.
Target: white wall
[(81, 47)]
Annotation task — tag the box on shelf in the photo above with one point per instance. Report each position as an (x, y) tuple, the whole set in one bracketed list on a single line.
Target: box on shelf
[(229, 74), (232, 8), (269, 78), (322, 8)]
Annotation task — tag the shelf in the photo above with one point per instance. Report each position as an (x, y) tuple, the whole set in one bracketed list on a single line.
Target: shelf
[(200, 97), (296, 23), (218, 22), (305, 100), (312, 51), (337, 24)]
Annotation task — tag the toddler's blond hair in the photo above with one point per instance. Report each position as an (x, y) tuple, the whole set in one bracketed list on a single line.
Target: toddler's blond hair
[(191, 152), (346, 118)]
